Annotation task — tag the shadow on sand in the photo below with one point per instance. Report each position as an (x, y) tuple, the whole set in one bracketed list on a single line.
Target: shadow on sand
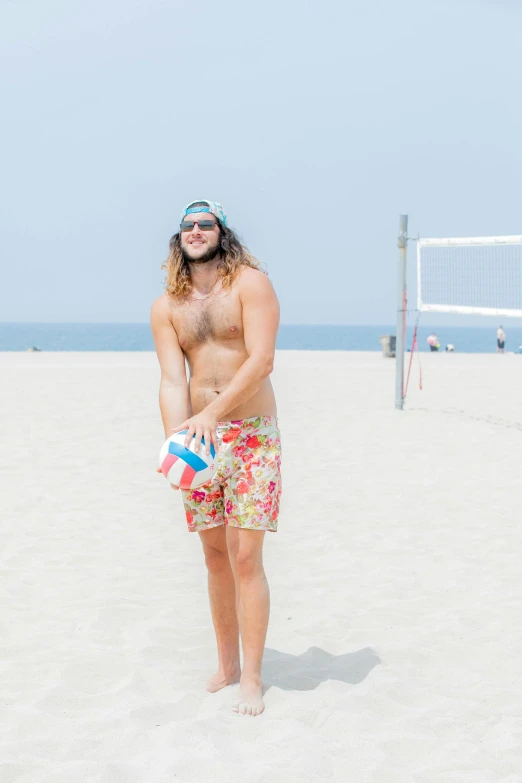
[(306, 671)]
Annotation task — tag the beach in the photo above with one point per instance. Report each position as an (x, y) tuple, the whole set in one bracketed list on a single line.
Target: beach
[(393, 650)]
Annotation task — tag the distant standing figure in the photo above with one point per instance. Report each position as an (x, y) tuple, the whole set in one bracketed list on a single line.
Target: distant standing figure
[(433, 342), (501, 339)]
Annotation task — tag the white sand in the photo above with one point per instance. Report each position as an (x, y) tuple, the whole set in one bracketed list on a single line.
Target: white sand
[(394, 647)]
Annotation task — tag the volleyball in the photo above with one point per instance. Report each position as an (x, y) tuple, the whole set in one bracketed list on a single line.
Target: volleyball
[(182, 466)]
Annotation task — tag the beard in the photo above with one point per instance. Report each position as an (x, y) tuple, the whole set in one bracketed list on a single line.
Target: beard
[(207, 256)]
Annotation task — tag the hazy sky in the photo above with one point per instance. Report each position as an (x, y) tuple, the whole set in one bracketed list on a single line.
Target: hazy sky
[(314, 123)]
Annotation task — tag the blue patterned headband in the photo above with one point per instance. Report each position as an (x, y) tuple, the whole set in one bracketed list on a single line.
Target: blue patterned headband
[(212, 206)]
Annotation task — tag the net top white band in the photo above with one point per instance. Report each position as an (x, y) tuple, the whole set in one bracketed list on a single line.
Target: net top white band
[(471, 241)]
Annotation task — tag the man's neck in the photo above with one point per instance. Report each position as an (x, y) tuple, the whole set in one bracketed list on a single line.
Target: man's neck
[(204, 276)]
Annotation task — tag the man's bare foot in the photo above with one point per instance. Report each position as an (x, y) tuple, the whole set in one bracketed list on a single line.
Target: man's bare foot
[(222, 679), (250, 699)]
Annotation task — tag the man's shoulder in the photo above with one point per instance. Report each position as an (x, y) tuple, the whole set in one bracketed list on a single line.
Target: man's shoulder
[(161, 307), (250, 279), (248, 273)]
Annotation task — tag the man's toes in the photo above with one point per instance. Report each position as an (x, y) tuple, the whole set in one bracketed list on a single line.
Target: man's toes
[(248, 709)]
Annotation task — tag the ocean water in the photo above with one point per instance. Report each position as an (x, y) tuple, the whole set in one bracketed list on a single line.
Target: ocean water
[(137, 337)]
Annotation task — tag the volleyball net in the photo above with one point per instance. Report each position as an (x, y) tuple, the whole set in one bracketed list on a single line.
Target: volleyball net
[(473, 275), (464, 275)]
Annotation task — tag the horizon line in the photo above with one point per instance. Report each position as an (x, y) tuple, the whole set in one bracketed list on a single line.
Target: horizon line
[(146, 323)]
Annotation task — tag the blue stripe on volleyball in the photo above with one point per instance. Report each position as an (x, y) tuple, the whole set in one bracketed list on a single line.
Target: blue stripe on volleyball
[(187, 456), (212, 449)]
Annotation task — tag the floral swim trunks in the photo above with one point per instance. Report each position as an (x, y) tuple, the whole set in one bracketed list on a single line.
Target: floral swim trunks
[(246, 488)]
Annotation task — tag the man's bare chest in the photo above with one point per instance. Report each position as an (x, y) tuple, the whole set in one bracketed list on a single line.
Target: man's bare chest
[(215, 319)]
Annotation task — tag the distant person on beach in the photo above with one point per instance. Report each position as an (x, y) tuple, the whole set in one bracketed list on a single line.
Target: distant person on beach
[(501, 339), (433, 342), (220, 315)]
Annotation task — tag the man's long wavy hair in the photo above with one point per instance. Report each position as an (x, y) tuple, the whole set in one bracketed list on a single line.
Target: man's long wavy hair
[(233, 254)]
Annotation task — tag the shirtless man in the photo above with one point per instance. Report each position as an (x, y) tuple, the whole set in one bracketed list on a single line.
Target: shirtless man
[(220, 313)]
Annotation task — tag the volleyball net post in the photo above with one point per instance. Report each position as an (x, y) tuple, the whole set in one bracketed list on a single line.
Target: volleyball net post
[(401, 312)]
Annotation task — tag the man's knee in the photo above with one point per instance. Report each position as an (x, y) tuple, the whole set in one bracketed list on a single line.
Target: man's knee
[(216, 560), (248, 565)]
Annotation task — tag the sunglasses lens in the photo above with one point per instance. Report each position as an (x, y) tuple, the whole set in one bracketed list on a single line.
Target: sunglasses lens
[(204, 225)]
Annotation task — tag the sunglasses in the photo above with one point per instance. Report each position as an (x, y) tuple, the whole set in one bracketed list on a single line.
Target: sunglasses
[(204, 225)]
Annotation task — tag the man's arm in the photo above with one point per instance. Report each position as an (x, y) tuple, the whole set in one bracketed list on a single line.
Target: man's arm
[(260, 324), (173, 392)]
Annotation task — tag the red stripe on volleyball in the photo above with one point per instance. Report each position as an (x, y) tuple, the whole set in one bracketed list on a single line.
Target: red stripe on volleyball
[(186, 477), (167, 463)]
